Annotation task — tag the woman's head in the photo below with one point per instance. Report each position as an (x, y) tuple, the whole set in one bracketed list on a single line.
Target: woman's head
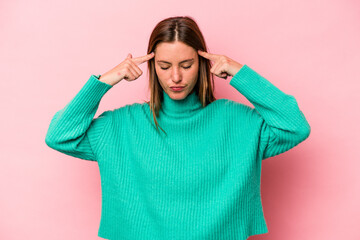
[(176, 65), (175, 40)]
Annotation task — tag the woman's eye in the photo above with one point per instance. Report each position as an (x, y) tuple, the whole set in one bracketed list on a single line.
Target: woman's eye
[(183, 67)]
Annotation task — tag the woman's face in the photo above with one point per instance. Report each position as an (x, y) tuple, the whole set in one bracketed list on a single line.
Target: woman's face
[(176, 65)]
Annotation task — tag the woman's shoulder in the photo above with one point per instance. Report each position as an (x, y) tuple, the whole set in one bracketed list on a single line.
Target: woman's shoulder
[(235, 109), (131, 108), (229, 104)]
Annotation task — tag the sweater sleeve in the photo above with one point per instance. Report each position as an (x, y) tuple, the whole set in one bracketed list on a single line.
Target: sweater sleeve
[(73, 129), (283, 125)]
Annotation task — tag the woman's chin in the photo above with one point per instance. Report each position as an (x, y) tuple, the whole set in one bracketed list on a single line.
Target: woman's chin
[(177, 95)]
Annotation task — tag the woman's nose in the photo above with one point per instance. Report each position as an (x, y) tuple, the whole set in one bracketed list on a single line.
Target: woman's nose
[(176, 74)]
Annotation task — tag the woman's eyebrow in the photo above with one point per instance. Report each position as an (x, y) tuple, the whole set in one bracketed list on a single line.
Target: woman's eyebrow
[(187, 60)]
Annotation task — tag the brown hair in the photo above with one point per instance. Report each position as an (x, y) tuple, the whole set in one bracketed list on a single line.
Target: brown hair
[(186, 30)]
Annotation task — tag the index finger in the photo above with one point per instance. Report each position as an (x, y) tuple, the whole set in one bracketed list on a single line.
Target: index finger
[(140, 60), (207, 55)]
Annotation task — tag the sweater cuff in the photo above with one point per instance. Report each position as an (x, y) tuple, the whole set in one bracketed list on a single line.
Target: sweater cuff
[(256, 88), (90, 95), (94, 88), (245, 80)]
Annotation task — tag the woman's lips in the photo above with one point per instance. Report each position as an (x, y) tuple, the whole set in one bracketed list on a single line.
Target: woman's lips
[(177, 89)]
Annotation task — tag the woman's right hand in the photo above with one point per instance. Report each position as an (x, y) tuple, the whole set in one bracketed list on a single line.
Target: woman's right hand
[(128, 70)]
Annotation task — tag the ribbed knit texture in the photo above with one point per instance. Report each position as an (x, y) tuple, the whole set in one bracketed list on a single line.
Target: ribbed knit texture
[(202, 180)]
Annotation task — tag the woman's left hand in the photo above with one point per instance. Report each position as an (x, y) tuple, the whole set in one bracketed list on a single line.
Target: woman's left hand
[(223, 65)]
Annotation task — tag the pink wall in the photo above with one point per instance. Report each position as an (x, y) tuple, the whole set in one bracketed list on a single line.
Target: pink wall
[(309, 49)]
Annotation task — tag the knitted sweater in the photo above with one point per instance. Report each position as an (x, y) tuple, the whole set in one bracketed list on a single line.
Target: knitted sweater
[(202, 179)]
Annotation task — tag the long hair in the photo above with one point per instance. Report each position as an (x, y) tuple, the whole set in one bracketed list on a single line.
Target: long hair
[(186, 30)]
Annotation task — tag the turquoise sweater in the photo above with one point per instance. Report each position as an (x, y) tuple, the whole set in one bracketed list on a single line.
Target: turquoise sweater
[(202, 180)]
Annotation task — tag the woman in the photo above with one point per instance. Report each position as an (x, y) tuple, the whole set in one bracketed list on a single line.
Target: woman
[(198, 178)]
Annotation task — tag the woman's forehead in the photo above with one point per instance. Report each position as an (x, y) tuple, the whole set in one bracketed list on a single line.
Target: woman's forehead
[(177, 52)]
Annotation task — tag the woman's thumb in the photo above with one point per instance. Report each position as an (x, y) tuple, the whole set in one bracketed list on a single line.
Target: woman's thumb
[(129, 55)]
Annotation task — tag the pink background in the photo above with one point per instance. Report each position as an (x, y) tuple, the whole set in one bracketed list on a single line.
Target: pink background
[(309, 49)]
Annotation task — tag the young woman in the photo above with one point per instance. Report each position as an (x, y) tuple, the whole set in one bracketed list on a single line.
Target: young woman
[(197, 178)]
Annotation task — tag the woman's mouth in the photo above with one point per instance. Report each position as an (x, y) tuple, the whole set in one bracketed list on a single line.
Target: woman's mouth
[(177, 89)]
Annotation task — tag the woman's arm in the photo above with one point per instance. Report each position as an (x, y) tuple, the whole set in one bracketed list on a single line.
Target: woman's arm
[(283, 124), (72, 130)]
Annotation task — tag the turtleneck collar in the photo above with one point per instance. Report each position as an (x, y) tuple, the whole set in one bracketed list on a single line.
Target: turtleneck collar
[(181, 108)]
